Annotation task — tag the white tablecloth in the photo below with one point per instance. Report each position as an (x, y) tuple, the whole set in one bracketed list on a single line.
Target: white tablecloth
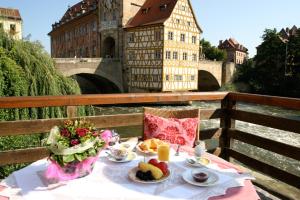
[(110, 180)]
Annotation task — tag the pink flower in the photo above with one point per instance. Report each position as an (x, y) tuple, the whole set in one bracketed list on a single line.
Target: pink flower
[(106, 136), (65, 132), (74, 142), (81, 132)]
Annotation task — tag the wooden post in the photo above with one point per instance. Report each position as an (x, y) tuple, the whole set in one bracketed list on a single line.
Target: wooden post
[(71, 111), (226, 124)]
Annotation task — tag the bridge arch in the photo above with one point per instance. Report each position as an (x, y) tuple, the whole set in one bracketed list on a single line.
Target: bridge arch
[(207, 81), (95, 84), (109, 47)]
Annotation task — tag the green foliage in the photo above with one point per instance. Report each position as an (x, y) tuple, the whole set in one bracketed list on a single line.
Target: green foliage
[(212, 52), (275, 70), (27, 70)]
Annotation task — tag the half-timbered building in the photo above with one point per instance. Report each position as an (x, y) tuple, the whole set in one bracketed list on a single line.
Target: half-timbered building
[(162, 47)]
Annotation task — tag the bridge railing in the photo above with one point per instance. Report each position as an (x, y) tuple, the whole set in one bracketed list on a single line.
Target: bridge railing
[(226, 133)]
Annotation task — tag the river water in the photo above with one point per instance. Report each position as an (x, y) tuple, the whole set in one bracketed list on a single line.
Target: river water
[(271, 158)]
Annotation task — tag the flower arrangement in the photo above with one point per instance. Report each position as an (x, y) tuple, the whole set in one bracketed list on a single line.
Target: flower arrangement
[(74, 147)]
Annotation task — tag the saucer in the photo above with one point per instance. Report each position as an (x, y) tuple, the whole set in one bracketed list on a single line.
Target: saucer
[(131, 156), (212, 178)]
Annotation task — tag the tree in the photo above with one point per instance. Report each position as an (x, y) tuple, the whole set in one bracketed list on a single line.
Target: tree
[(212, 52), (268, 72)]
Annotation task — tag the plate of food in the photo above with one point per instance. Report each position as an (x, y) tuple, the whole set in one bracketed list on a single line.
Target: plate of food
[(198, 162), (200, 177), (149, 146), (151, 172)]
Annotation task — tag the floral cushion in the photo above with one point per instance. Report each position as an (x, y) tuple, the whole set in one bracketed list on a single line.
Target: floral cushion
[(176, 131)]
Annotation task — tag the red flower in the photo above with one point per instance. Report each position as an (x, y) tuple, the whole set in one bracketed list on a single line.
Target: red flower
[(65, 132), (81, 132), (74, 142)]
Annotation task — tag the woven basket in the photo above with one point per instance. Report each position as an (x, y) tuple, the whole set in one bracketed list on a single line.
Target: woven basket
[(180, 114)]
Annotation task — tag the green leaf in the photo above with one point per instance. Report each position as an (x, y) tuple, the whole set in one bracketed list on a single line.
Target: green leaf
[(68, 158), (79, 157), (92, 152)]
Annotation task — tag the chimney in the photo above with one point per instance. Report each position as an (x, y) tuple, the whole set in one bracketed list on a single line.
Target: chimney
[(220, 42)]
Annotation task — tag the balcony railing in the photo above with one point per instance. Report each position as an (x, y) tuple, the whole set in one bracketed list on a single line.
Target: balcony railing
[(226, 133)]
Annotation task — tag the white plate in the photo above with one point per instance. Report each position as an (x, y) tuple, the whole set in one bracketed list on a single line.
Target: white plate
[(145, 152), (202, 162), (212, 178), (131, 156), (132, 176)]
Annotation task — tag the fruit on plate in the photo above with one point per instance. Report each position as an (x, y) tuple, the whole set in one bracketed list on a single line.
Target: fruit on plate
[(145, 176), (161, 165), (155, 171), (153, 161)]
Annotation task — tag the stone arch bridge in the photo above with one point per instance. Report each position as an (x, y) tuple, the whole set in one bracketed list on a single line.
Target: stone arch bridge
[(94, 75), (214, 74), (105, 75)]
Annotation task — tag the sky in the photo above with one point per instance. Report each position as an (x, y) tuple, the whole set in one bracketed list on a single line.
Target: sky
[(244, 20)]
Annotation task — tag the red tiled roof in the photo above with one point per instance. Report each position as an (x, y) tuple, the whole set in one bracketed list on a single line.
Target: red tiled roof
[(234, 44), (10, 13), (77, 8), (152, 13)]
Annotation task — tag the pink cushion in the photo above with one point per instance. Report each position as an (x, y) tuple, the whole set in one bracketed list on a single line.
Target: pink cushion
[(173, 130)]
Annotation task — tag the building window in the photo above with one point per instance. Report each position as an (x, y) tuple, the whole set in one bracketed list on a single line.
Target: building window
[(168, 55), (189, 23), (163, 7), (177, 21), (184, 56), (194, 38), (167, 77), (135, 77), (114, 16), (183, 8), (12, 27), (194, 57), (170, 35), (157, 36), (175, 55), (145, 10), (157, 54), (182, 37), (131, 37), (94, 26), (192, 77), (178, 77), (131, 55)]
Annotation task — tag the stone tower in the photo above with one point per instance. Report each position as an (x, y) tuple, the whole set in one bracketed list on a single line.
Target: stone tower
[(114, 15)]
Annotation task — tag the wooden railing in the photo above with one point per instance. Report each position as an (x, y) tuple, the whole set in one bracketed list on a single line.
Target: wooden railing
[(226, 133)]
